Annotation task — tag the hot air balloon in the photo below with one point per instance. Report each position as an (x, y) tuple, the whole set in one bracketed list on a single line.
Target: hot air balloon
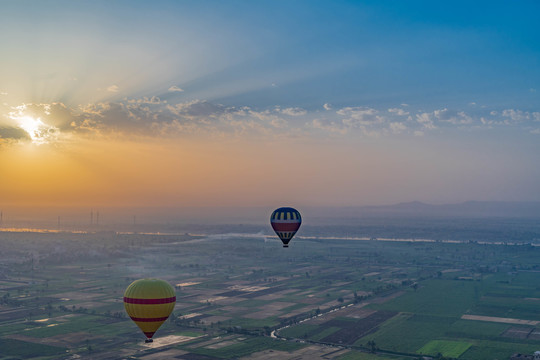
[(149, 302), (285, 221)]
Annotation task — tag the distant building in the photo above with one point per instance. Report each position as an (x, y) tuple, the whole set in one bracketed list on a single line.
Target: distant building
[(535, 356), (521, 357)]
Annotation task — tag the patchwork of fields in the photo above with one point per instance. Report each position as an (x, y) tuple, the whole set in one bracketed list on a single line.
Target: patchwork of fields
[(61, 298)]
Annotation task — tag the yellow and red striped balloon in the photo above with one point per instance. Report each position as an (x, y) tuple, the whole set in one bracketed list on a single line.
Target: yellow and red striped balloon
[(149, 302)]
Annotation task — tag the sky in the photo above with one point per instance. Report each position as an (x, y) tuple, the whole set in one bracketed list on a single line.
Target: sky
[(268, 103)]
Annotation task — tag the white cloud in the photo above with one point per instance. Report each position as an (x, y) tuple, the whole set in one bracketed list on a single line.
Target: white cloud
[(418, 133), (453, 117), (175, 88), (426, 120), (536, 116), (516, 115), (535, 131), (113, 88), (356, 112), (146, 100), (360, 116), (397, 127), (294, 111), (443, 115), (327, 106), (398, 111), (197, 108), (330, 127)]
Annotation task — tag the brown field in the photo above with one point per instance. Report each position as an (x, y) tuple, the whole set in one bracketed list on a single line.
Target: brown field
[(298, 311), (501, 320), (168, 340), (64, 340), (76, 295), (518, 332), (214, 340), (215, 319), (164, 355), (275, 295), (314, 352), (354, 330)]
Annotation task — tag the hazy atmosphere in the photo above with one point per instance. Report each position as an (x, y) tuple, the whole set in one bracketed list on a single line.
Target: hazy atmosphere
[(238, 103), (269, 180)]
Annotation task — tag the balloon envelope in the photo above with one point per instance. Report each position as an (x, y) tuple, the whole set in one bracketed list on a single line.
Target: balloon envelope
[(285, 221), (149, 302)]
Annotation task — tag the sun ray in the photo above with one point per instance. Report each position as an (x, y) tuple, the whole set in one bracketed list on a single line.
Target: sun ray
[(38, 131)]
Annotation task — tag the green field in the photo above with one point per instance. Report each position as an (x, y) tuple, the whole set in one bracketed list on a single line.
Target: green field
[(12, 347), (449, 298), (446, 348)]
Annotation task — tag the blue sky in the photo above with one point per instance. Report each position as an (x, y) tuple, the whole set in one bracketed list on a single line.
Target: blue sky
[(443, 95)]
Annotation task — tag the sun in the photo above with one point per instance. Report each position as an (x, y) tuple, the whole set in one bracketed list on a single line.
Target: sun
[(39, 132)]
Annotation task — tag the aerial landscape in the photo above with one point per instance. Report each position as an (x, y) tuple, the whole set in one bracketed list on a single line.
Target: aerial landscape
[(269, 180)]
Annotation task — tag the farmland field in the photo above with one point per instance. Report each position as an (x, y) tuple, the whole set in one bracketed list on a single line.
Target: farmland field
[(61, 296), (446, 348)]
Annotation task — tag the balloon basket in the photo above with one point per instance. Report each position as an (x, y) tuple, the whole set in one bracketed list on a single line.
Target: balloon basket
[(285, 245), (149, 340)]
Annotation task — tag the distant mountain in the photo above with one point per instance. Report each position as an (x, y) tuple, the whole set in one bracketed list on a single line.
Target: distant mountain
[(418, 209)]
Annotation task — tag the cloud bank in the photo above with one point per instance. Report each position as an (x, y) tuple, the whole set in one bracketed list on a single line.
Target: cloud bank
[(155, 117)]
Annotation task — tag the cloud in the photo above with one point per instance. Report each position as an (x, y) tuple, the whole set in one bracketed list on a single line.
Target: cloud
[(516, 115), (197, 108), (397, 127), (426, 120), (113, 88), (535, 131), (175, 88), (146, 100), (453, 117), (294, 111), (13, 133), (328, 126), (398, 111), (360, 116), (155, 117)]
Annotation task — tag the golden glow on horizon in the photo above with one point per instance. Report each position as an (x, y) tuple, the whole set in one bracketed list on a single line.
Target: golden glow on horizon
[(100, 172)]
